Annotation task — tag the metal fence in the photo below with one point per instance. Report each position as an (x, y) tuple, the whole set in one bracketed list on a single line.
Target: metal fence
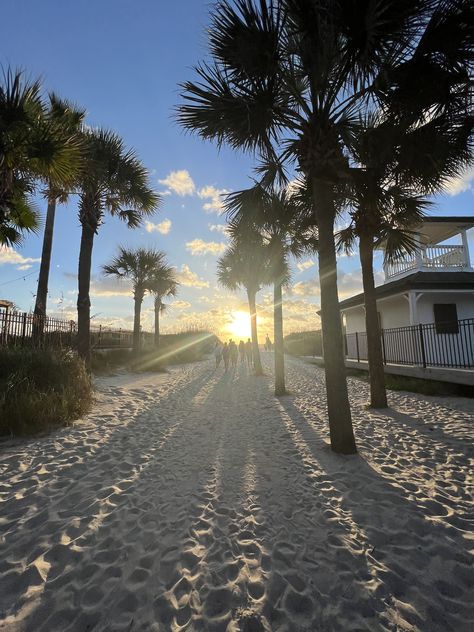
[(19, 329), (421, 345)]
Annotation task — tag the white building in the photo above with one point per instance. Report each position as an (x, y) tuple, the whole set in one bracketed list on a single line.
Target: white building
[(433, 288)]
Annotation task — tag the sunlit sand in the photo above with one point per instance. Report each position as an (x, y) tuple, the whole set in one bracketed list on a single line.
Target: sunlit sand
[(196, 500)]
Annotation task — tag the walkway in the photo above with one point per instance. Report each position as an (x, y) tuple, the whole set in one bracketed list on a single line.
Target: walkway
[(197, 501)]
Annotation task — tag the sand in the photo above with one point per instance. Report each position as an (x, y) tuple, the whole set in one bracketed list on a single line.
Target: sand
[(198, 501)]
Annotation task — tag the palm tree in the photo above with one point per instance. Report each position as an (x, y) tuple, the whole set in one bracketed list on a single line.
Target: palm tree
[(112, 180), (274, 214), (292, 76), (138, 266), (161, 284), (68, 120), (380, 217), (245, 264), (32, 148)]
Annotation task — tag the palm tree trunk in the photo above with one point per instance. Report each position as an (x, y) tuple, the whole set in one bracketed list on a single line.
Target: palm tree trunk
[(280, 388), (83, 298), (378, 394), (42, 290), (157, 322), (138, 299), (339, 412), (257, 362)]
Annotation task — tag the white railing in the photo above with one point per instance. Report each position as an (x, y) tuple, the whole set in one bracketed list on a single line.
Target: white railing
[(444, 257), (431, 258)]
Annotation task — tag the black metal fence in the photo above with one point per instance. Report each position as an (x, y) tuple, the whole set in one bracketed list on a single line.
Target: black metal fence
[(421, 345), (18, 329)]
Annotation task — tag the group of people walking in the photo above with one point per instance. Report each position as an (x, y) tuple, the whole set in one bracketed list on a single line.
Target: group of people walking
[(229, 353)]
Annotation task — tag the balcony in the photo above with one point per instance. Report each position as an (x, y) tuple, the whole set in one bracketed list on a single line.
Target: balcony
[(430, 258)]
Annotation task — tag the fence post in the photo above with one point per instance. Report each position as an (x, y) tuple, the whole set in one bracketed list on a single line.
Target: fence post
[(100, 336), (357, 346), (383, 346), (23, 331), (422, 345)]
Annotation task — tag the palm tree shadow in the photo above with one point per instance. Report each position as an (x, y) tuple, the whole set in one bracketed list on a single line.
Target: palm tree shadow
[(411, 533)]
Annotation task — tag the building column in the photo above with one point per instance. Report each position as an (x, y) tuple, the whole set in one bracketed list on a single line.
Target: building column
[(412, 304), (465, 245), (419, 253)]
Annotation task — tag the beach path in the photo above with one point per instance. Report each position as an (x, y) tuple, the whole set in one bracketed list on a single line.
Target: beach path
[(197, 501)]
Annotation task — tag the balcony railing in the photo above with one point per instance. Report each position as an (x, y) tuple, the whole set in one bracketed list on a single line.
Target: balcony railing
[(431, 258)]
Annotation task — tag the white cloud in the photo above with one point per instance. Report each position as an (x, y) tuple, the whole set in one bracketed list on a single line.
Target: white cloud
[(109, 286), (304, 265), (209, 192), (180, 304), (163, 227), (461, 184), (180, 182), (9, 256), (200, 247), (190, 279), (218, 228), (305, 288)]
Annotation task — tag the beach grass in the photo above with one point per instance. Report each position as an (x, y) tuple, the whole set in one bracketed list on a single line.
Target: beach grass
[(41, 390)]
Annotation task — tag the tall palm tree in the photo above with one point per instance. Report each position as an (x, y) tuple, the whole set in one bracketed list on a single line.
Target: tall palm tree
[(291, 76), (161, 284), (32, 149), (245, 265), (411, 147), (112, 180), (274, 214), (68, 120), (138, 266)]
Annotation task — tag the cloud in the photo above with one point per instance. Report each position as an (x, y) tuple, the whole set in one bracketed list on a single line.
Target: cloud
[(180, 182), (218, 228), (9, 256), (190, 279), (180, 304), (461, 183), (109, 286), (198, 247), (305, 288), (215, 205), (163, 227), (304, 265)]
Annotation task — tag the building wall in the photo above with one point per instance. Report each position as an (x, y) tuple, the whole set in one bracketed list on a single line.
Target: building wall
[(411, 345), (394, 312), (464, 304), (355, 319)]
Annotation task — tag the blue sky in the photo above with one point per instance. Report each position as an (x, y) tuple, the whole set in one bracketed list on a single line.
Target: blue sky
[(122, 60)]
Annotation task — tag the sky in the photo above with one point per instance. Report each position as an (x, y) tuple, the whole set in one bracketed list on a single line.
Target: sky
[(123, 61)]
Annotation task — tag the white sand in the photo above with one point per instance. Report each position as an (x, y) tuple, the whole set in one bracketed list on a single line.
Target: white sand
[(197, 501)]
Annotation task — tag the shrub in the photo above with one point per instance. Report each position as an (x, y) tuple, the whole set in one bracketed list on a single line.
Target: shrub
[(174, 349), (40, 390), (106, 362), (304, 343)]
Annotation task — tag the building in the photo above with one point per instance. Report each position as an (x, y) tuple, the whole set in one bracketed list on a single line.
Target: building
[(431, 291)]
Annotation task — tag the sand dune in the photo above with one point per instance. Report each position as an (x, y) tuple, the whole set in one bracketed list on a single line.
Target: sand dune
[(197, 501)]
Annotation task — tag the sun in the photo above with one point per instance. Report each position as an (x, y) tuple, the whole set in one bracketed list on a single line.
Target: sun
[(239, 327)]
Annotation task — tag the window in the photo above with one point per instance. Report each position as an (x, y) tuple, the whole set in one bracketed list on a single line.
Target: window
[(446, 318)]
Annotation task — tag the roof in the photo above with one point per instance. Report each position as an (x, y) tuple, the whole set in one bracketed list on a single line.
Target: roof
[(437, 229), (417, 281), (4, 303), (434, 230)]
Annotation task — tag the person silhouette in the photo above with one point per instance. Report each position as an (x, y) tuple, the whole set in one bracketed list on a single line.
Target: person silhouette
[(248, 352), (242, 351), (233, 353), (225, 356)]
